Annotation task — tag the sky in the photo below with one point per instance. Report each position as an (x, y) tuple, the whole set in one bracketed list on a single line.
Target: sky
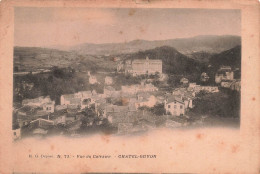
[(46, 27)]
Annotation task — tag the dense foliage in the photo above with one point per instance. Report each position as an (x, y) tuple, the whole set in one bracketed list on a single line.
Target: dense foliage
[(225, 103)]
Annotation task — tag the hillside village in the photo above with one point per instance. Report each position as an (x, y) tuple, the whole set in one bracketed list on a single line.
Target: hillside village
[(120, 107)]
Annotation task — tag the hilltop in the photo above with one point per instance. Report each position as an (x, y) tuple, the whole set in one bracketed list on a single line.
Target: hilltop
[(206, 43), (231, 57)]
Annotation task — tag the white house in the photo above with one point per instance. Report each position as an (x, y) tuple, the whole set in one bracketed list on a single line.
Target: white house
[(174, 106)]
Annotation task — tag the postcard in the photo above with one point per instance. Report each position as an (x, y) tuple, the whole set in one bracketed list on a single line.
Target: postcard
[(129, 86)]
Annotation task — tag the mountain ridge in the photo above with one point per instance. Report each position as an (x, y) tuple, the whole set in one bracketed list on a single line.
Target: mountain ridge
[(207, 43)]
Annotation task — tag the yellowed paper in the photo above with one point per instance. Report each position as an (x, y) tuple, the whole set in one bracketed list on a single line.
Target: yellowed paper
[(221, 148)]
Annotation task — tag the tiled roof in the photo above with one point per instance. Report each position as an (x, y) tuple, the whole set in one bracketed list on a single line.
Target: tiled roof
[(174, 99)]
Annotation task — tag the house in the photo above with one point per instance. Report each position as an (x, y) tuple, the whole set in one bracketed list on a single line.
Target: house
[(108, 80), (224, 73), (184, 81), (144, 67), (185, 95), (81, 99), (49, 107), (204, 77), (174, 106)]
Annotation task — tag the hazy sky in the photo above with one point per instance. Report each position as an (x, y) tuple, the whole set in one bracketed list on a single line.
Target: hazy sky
[(70, 26)]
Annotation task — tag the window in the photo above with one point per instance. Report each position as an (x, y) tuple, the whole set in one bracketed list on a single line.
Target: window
[(14, 133), (169, 106), (181, 106), (175, 106)]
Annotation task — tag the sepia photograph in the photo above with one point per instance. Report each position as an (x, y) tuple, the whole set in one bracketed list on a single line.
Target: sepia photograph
[(129, 86), (124, 71)]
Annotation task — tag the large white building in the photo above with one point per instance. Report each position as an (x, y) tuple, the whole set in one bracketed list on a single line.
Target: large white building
[(144, 66)]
